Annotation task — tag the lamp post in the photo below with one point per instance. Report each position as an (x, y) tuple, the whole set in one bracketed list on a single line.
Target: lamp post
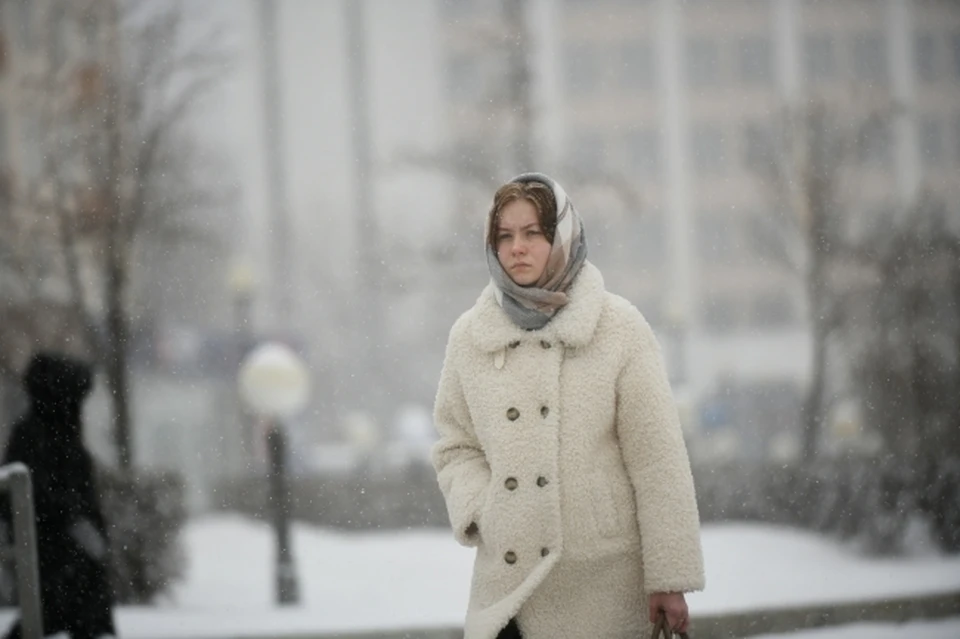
[(677, 323), (274, 382), (243, 285)]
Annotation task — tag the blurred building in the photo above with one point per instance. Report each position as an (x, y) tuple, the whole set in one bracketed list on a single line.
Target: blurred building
[(683, 99), (673, 100)]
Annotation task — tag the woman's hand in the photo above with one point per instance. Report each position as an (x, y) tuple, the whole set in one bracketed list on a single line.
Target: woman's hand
[(674, 606)]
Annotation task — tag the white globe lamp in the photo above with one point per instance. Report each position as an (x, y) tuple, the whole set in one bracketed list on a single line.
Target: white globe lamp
[(274, 381)]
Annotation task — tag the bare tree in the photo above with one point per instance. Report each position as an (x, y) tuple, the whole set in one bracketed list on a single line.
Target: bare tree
[(111, 97), (810, 163)]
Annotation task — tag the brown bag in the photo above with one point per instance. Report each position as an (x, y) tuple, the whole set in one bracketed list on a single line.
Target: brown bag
[(662, 629)]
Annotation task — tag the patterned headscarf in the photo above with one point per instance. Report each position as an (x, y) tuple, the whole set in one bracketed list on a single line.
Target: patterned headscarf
[(532, 307)]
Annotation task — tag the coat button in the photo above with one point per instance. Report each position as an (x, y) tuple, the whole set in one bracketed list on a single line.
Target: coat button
[(544, 343), (513, 414), (544, 411), (510, 557), (511, 483), (542, 481), (514, 343), (544, 552)]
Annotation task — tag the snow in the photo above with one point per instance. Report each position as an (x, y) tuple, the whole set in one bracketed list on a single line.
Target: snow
[(421, 578)]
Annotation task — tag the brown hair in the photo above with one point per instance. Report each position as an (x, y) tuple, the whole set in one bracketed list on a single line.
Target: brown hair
[(537, 193)]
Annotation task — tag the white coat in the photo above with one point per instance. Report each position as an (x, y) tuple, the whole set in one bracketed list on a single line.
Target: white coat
[(562, 461)]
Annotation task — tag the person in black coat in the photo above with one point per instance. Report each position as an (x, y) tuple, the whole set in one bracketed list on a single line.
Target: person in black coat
[(71, 533)]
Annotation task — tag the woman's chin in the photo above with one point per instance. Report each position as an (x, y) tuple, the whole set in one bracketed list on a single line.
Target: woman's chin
[(525, 282), (524, 277)]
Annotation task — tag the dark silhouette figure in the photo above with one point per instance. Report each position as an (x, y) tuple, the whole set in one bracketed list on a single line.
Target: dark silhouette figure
[(71, 534)]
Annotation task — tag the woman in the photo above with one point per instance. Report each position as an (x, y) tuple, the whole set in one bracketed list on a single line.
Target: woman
[(560, 453)]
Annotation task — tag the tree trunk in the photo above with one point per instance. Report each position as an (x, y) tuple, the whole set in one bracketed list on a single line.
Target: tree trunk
[(116, 265), (116, 360), (813, 405)]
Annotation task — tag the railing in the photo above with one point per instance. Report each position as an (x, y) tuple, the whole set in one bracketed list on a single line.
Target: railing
[(15, 479)]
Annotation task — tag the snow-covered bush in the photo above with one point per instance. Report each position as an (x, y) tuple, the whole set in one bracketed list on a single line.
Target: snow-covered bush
[(363, 499), (941, 501), (852, 498), (144, 513), (903, 334)]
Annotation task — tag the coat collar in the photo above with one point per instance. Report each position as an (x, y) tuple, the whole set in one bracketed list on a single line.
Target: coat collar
[(574, 325)]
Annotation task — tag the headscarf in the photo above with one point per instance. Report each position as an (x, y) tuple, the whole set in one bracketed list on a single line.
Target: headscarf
[(532, 307)]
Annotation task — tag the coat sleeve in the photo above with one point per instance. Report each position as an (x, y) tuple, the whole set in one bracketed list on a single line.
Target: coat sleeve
[(655, 456), (462, 469)]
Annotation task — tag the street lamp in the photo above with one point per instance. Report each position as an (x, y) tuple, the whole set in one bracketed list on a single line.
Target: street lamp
[(275, 383)]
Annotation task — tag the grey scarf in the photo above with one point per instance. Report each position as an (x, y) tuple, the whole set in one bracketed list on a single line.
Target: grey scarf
[(532, 307)]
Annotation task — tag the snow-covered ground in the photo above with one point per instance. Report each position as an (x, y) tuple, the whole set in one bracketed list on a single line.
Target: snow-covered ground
[(420, 579)]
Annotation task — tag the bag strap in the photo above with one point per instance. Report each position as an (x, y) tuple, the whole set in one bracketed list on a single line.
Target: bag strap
[(662, 629)]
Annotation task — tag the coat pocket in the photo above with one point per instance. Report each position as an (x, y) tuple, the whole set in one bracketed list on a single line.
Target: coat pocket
[(605, 512)]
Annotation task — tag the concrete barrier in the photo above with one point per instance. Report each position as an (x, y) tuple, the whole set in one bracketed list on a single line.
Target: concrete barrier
[(748, 623), (782, 620)]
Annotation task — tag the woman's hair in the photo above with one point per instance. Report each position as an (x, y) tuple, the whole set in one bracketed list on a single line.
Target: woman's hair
[(537, 193)]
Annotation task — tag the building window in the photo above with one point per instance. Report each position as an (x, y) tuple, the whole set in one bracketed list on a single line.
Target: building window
[(584, 68), (720, 312), (957, 138), (819, 58), (91, 29), (756, 60), (638, 69), (870, 59), (931, 140), (60, 28), (925, 56), (30, 144), (643, 152), (874, 148), (464, 80), (757, 145), (709, 149), (461, 8), (647, 239), (773, 309), (703, 62), (955, 41), (718, 239), (589, 150), (4, 142), (24, 22)]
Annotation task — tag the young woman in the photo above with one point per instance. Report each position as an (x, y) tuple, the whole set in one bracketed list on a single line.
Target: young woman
[(560, 453)]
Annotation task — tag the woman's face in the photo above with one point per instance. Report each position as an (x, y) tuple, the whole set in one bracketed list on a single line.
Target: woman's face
[(522, 247)]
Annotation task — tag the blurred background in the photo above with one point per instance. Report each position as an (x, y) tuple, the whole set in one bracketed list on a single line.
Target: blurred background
[(773, 183)]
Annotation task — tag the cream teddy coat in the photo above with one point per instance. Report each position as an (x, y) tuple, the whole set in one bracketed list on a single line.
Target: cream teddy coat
[(561, 460)]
